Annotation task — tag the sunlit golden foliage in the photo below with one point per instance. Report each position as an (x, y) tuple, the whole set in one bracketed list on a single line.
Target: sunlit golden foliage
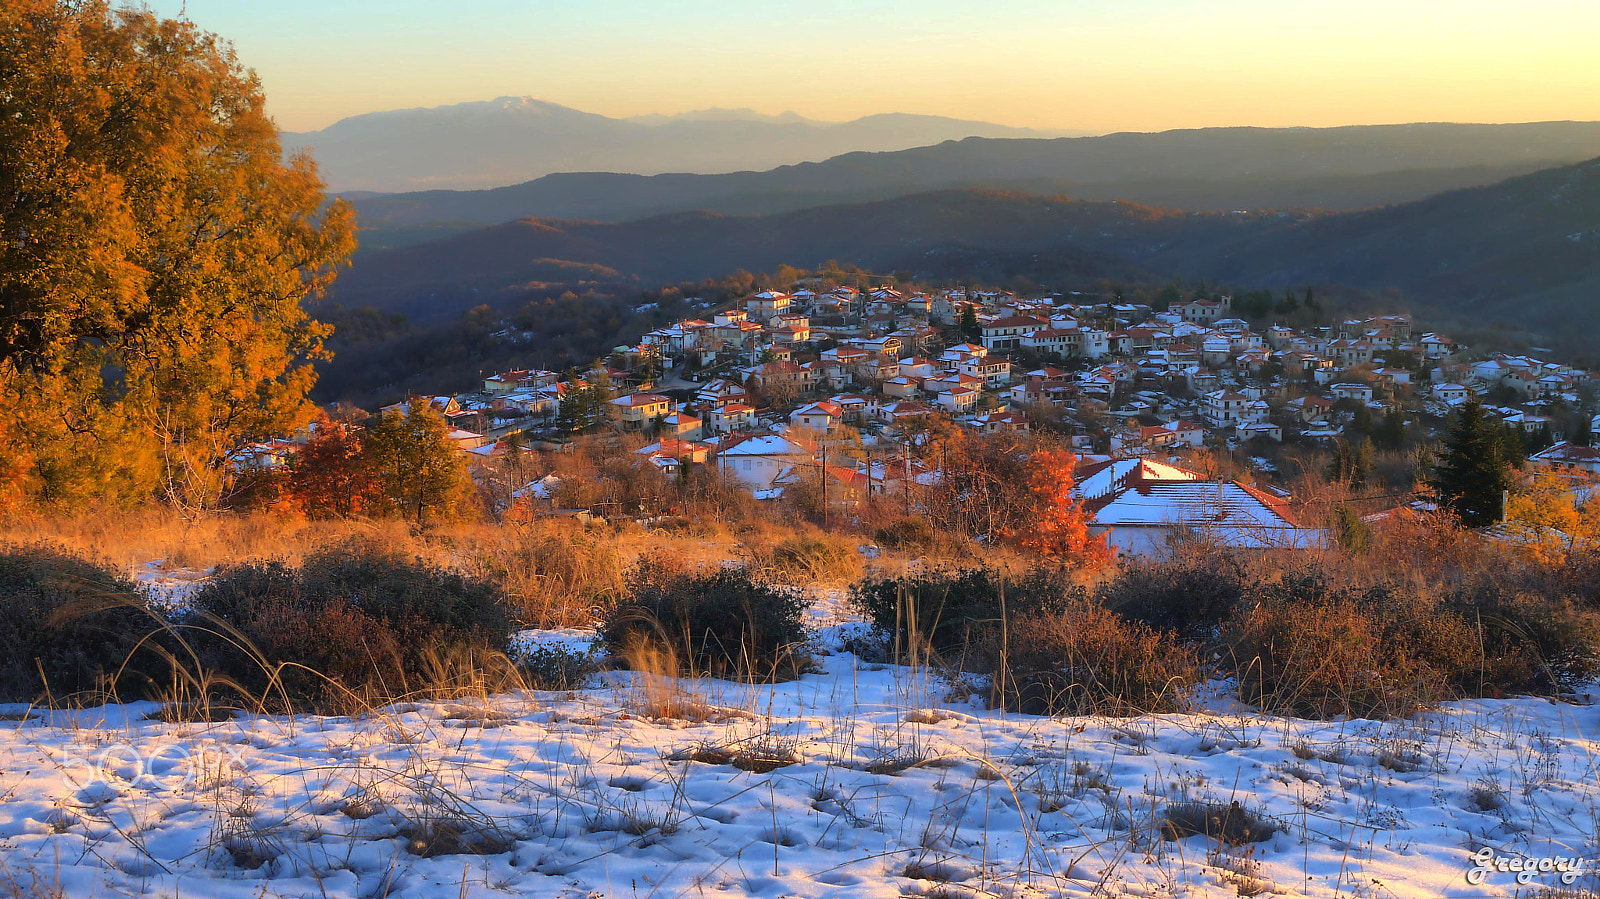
[(154, 252), (1546, 522)]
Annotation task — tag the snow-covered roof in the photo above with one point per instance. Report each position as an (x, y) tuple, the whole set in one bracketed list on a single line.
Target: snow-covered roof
[(1103, 479), (770, 445), (544, 488), (1200, 504)]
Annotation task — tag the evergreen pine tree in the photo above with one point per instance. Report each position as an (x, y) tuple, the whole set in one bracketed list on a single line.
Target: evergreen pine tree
[(1582, 432), (1391, 433), (1352, 463), (969, 323), (1362, 422), (1473, 473), (1352, 534)]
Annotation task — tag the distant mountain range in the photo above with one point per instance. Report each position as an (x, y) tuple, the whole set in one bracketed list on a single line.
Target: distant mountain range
[(515, 139), (1212, 169), (433, 280), (1524, 251)]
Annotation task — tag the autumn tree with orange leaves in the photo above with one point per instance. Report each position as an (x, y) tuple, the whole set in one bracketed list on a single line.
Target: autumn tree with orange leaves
[(1061, 529), (329, 477)]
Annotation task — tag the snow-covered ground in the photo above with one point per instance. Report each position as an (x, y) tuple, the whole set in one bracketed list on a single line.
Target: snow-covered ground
[(168, 586), (887, 787)]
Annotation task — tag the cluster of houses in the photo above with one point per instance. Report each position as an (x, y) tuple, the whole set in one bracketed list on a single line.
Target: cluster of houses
[(788, 386)]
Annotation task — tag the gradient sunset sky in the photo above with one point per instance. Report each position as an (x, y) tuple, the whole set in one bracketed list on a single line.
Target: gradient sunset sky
[(1076, 65)]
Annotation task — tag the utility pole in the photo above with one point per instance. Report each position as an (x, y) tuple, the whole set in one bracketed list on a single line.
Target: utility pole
[(905, 484), (823, 444)]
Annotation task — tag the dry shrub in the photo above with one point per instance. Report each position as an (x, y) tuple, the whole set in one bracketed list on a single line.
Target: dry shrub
[(1192, 593), (1575, 577), (1087, 660), (1580, 578), (1527, 642), (715, 500), (761, 754), (553, 578), (449, 836), (70, 626), (724, 622), (906, 534), (1319, 660), (556, 667), (350, 627), (950, 611), (1309, 647), (1427, 546)]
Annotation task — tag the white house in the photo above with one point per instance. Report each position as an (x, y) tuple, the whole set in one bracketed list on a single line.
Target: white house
[(1437, 347), (721, 390), (1567, 457), (957, 399), (1353, 391), (994, 372), (1062, 341), (1186, 433), (730, 418), (1006, 333), (1264, 429), (1216, 350), (893, 412), (767, 304), (756, 462), (1143, 506), (822, 416), (1225, 408), (681, 426), (855, 407), (1000, 423)]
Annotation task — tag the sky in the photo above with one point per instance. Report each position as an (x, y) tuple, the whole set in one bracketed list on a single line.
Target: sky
[(1087, 66)]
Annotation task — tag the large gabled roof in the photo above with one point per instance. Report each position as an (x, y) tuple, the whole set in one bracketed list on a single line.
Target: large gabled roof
[(1568, 452), (1200, 504), (766, 445), (1100, 480)]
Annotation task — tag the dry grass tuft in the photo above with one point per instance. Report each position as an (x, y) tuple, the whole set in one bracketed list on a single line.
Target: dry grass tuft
[(192, 713), (811, 560), (1227, 822), (553, 577), (454, 836), (28, 883)]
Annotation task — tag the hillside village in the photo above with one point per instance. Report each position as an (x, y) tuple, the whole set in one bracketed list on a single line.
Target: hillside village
[(839, 383)]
